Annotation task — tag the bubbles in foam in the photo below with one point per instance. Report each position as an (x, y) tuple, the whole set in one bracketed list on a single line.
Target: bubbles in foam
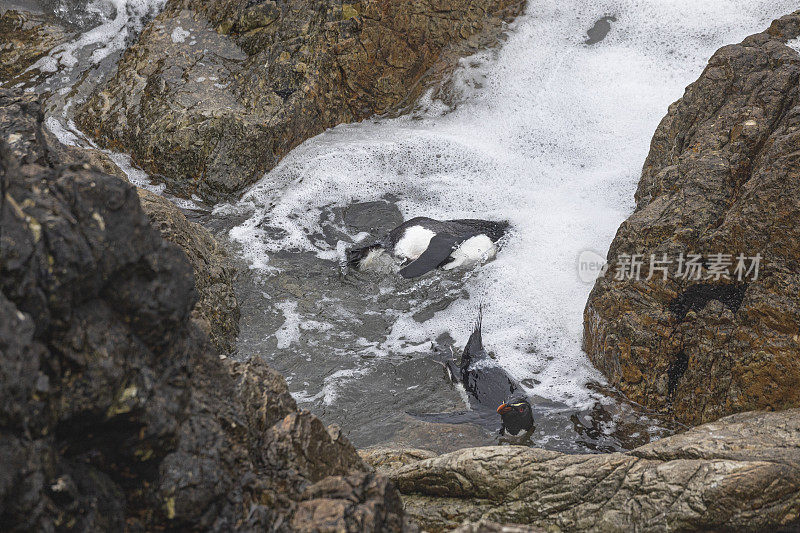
[(289, 332), (103, 40), (548, 133)]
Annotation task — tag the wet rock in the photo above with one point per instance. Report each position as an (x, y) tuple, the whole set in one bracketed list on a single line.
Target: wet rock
[(485, 526), (79, 15), (115, 411), (25, 38), (217, 308), (600, 30), (388, 457), (739, 473), (721, 178), (215, 93)]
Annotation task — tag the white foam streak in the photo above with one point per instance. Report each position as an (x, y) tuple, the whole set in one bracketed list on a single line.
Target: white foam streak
[(105, 39), (550, 134)]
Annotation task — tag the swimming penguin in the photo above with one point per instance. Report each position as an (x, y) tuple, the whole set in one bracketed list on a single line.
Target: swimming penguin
[(483, 379), (516, 415), (425, 244)]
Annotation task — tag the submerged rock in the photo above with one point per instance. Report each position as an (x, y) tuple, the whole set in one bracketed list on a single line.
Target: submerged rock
[(115, 412), (741, 473), (721, 178), (213, 94)]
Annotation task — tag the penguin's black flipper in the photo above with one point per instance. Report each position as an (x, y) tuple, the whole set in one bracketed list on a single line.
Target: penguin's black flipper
[(439, 249), (474, 349)]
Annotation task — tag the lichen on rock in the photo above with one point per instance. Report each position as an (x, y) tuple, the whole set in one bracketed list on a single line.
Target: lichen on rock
[(214, 94), (721, 178)]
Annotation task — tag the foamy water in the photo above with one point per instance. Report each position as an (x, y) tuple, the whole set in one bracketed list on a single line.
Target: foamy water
[(63, 71), (119, 19), (548, 133)]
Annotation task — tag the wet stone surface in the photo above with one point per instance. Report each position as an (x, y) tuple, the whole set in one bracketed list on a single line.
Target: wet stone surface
[(600, 30), (334, 335)]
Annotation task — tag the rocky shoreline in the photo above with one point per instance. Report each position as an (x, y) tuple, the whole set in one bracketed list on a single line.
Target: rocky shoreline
[(214, 94), (119, 413), (741, 473), (721, 178)]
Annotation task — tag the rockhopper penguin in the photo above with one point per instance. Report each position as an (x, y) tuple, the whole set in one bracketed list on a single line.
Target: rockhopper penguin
[(424, 244), (484, 380), (517, 416)]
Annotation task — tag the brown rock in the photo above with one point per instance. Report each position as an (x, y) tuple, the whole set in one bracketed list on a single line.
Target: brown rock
[(387, 457), (215, 93), (115, 412), (217, 309), (24, 39), (721, 178), (356, 503), (217, 306), (741, 473)]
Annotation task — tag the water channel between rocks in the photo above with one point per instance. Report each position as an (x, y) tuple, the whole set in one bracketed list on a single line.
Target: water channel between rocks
[(548, 132)]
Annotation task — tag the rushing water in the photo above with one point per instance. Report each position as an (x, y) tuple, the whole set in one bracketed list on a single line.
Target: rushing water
[(548, 132)]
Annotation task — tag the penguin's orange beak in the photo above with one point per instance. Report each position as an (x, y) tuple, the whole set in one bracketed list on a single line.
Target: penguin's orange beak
[(504, 408)]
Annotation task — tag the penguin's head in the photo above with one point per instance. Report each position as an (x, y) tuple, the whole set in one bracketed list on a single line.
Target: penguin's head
[(516, 414)]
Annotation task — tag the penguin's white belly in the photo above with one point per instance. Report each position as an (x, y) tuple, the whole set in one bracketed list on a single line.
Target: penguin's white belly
[(474, 250), (415, 240)]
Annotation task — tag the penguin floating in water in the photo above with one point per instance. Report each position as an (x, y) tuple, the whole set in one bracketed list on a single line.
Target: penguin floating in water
[(487, 385), (425, 244), (483, 379)]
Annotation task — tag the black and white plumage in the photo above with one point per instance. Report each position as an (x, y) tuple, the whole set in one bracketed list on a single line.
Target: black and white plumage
[(425, 244), (486, 383)]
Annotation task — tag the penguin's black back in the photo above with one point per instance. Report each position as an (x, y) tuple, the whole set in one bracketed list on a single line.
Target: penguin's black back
[(461, 229), (489, 384), (492, 229)]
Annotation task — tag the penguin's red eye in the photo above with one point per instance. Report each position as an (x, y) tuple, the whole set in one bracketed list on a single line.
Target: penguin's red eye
[(521, 409)]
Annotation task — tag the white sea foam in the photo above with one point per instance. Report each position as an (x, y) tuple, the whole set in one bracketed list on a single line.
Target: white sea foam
[(330, 387), (550, 134), (103, 40), (64, 135), (138, 177), (289, 332)]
